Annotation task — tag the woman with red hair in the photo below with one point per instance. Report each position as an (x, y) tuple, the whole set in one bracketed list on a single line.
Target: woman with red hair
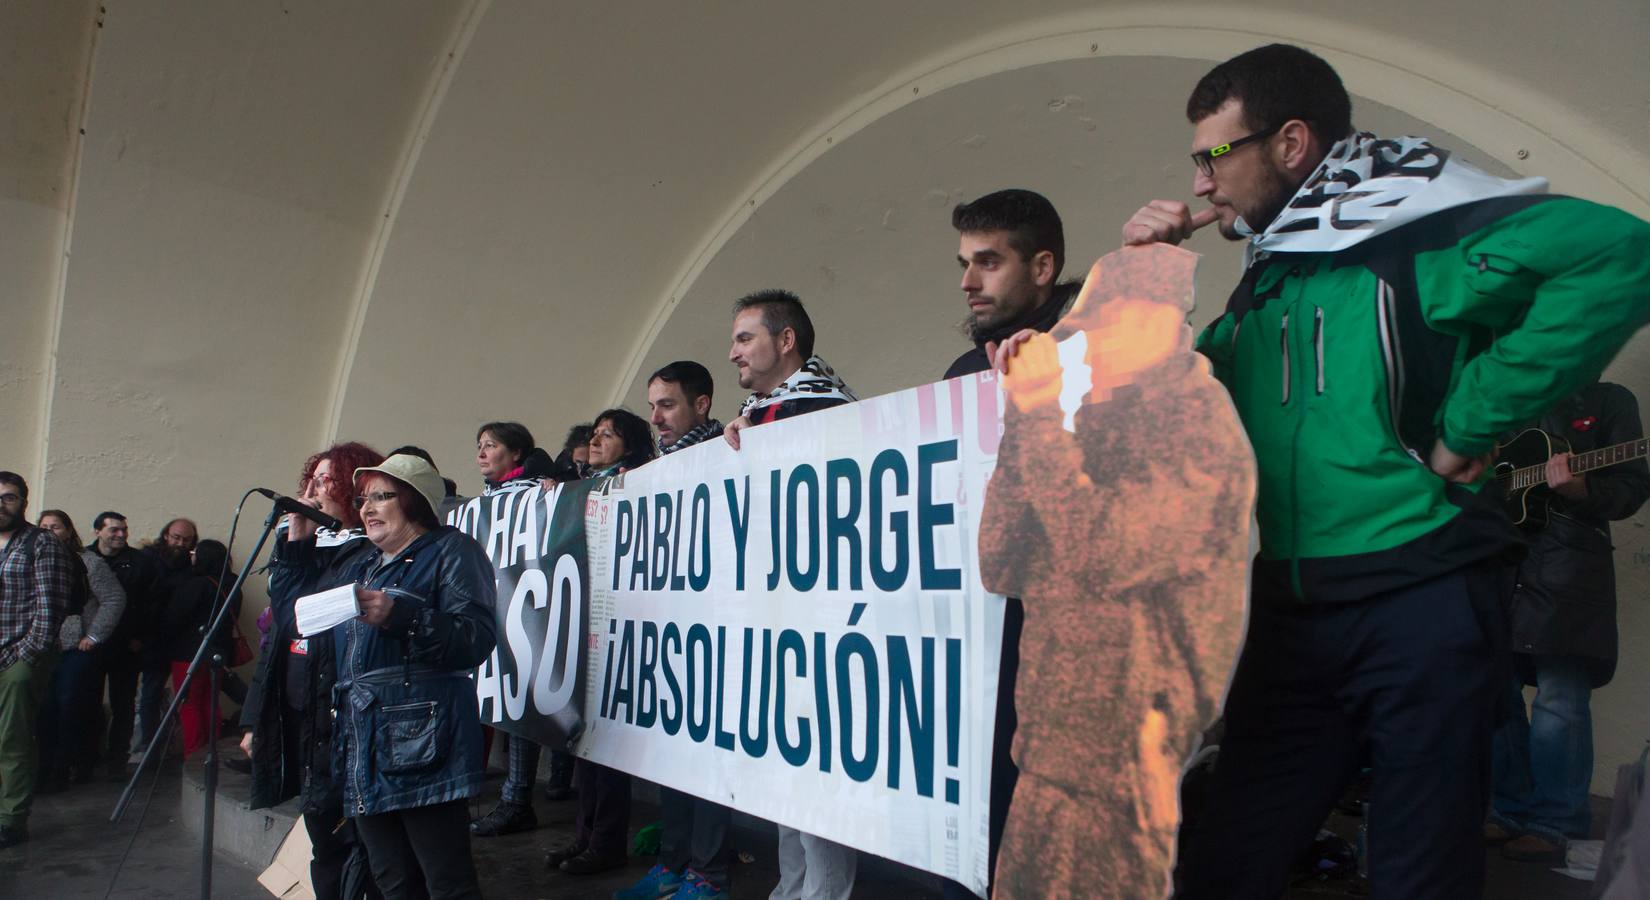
[(287, 712)]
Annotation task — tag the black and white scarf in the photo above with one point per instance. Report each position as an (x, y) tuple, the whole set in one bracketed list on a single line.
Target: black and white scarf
[(1367, 186), (704, 431), (815, 380)]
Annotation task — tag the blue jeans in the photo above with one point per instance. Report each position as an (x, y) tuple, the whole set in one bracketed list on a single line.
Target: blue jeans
[(1544, 763), (151, 703)]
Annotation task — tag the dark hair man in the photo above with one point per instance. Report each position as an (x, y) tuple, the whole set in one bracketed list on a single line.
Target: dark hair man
[(34, 593), (1564, 629), (679, 395), (1375, 602), (170, 555), (773, 348), (122, 655), (693, 847), (1011, 252)]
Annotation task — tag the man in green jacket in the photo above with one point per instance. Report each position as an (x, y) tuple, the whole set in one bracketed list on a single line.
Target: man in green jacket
[(1399, 309)]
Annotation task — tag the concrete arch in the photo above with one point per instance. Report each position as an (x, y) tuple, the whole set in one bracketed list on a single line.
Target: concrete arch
[(1479, 105)]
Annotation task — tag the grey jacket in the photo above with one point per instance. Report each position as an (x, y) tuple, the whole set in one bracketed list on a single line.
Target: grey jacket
[(104, 605)]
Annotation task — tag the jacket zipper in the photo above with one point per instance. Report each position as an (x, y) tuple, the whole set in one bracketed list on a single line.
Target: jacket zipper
[(1317, 343), (1482, 264), (1392, 355), (1283, 347), (355, 721)]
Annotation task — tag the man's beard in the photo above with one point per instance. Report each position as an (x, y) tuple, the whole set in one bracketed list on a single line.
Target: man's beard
[(983, 325), (1276, 192), (9, 522)]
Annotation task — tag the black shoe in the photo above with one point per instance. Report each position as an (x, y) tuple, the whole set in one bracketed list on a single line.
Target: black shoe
[(561, 854), (590, 862), (558, 793), (82, 775), (12, 835), (54, 782), (239, 764), (506, 818)]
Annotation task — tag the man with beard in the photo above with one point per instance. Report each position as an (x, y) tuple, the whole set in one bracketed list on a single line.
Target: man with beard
[(1013, 247), (170, 556), (122, 656), (773, 348), (695, 861), (1400, 309), (34, 593)]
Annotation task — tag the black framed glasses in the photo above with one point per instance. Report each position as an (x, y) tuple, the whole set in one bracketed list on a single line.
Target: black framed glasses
[(1205, 159), (376, 498)]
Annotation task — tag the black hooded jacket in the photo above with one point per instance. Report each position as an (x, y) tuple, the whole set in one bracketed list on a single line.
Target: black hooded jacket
[(1042, 318)]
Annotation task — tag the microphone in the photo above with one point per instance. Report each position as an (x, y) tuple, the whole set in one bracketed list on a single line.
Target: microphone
[(289, 505)]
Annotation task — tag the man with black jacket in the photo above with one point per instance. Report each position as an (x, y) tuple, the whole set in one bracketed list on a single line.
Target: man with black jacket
[(1564, 630), (122, 656), (1012, 249)]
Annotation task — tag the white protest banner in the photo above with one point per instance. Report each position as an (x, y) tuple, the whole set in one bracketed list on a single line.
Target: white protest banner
[(796, 630)]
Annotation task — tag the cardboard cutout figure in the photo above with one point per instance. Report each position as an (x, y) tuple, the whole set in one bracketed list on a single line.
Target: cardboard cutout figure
[(1124, 527)]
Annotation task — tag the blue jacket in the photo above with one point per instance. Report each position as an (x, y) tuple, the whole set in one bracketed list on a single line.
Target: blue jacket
[(409, 726)]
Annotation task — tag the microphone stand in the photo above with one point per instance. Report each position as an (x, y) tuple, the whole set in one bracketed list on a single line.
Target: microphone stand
[(213, 661)]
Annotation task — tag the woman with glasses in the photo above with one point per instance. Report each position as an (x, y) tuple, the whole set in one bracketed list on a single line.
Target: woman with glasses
[(620, 441), (71, 717), (288, 713), (408, 741)]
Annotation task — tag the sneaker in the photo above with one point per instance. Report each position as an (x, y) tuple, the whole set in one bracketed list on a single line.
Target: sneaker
[(590, 862), (695, 887), (506, 818), (658, 882), (558, 855), (1496, 834), (12, 835)]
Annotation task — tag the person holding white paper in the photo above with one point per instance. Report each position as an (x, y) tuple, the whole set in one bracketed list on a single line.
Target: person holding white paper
[(408, 740)]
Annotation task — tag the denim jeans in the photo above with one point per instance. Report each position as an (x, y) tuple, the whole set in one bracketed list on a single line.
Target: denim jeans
[(151, 702), (1544, 763)]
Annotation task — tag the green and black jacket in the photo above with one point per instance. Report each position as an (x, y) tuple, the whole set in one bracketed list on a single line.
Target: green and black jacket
[(1346, 367)]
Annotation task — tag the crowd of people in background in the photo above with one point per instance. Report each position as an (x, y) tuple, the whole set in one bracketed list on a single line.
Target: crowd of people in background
[(1363, 651)]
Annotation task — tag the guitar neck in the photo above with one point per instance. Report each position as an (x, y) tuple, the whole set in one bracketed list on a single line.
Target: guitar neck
[(1615, 454)]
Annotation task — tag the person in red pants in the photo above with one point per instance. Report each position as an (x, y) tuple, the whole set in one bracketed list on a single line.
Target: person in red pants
[(182, 624)]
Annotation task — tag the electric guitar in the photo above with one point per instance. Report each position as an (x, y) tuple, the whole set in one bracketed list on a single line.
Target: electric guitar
[(1521, 470)]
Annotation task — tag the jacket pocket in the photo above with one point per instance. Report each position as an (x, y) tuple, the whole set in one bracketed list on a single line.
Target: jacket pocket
[(408, 738), (1489, 273)]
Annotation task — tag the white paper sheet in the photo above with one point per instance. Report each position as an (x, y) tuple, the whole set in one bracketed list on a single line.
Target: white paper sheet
[(316, 613)]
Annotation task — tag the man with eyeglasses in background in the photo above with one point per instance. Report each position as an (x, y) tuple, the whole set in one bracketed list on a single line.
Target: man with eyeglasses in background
[(1399, 310), (34, 595)]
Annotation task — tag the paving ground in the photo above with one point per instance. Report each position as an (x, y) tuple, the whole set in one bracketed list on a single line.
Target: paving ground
[(75, 853)]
